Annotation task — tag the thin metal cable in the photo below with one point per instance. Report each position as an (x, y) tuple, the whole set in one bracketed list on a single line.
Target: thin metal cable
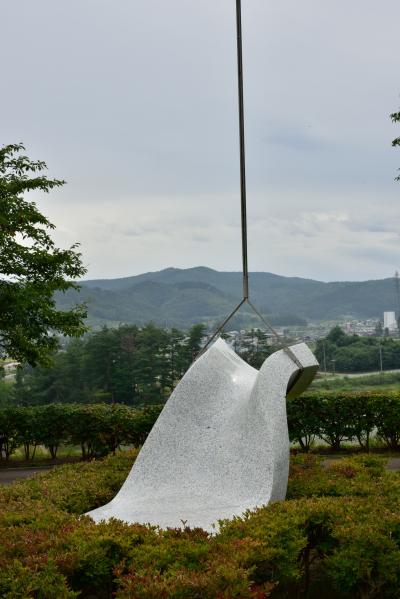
[(220, 328), (283, 345)]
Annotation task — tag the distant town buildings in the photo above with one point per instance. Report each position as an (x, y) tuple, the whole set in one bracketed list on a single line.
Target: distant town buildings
[(364, 328), (370, 327)]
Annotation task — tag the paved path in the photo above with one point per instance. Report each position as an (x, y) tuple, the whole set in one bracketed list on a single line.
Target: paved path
[(351, 375), (393, 464), (9, 475)]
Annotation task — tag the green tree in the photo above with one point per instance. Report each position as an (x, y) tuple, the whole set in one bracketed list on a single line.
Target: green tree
[(336, 336), (53, 423), (32, 268), (152, 364), (63, 382), (176, 363), (4, 388), (358, 354), (396, 142), (111, 362), (10, 436), (130, 365), (194, 343)]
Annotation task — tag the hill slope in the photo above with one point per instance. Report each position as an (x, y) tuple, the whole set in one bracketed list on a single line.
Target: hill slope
[(181, 297)]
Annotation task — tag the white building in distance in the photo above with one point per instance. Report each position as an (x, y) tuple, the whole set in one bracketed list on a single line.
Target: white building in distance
[(389, 321)]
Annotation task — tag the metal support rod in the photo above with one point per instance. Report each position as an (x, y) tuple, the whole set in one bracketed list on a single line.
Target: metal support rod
[(242, 150), (284, 346), (243, 202), (220, 328)]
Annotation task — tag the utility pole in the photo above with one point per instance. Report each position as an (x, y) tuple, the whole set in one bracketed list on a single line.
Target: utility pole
[(333, 367), (323, 348), (380, 358)]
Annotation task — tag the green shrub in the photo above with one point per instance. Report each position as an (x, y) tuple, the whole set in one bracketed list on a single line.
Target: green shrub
[(98, 429), (10, 431), (363, 416), (338, 416), (335, 416), (28, 430), (337, 536), (53, 424), (355, 476), (388, 420), (303, 419)]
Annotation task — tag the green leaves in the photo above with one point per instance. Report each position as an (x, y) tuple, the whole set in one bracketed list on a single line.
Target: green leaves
[(98, 429), (32, 268), (352, 353), (396, 142), (131, 365), (338, 416)]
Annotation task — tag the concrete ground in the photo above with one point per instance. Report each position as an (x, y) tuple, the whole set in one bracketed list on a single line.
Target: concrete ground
[(393, 464), (9, 475)]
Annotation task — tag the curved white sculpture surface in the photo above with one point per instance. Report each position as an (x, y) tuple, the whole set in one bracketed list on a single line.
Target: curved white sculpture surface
[(220, 445)]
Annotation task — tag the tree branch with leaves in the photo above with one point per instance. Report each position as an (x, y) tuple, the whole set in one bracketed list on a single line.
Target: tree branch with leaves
[(396, 142), (32, 268)]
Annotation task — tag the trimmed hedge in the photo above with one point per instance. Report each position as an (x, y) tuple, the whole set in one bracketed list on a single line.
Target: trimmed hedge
[(101, 428), (337, 536), (335, 417), (98, 429)]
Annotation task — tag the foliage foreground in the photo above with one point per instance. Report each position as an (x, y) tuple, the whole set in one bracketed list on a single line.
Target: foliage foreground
[(101, 428), (32, 268), (337, 535)]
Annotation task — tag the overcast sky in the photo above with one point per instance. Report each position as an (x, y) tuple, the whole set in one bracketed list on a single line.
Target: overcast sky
[(134, 103)]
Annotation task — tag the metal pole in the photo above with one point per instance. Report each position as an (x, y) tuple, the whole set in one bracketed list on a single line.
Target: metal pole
[(242, 150), (286, 349), (243, 200), (220, 328)]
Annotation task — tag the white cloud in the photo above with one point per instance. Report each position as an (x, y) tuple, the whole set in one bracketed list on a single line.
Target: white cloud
[(135, 105)]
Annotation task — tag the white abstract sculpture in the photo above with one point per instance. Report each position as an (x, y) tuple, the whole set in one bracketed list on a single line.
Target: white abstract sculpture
[(220, 445)]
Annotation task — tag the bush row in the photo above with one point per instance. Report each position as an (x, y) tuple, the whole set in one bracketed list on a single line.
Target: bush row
[(98, 429), (335, 417), (337, 536)]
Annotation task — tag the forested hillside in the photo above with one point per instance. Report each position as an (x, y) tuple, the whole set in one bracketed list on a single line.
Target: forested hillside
[(176, 297)]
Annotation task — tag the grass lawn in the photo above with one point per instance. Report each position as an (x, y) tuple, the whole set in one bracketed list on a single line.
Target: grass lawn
[(389, 381)]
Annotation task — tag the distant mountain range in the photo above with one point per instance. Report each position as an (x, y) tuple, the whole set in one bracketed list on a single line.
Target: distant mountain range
[(182, 297)]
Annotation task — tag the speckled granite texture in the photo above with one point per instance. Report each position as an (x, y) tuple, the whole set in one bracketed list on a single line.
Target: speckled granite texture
[(220, 445)]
